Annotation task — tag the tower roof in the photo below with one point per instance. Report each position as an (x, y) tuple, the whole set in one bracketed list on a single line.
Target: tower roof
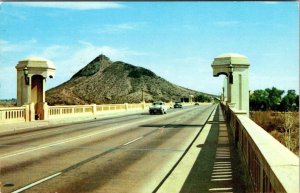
[(36, 62), (231, 58)]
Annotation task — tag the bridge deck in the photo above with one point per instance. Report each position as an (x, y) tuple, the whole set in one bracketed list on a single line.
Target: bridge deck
[(212, 163)]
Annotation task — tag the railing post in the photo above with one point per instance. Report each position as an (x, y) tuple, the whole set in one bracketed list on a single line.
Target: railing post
[(46, 111), (2, 115), (261, 179), (26, 116), (94, 111), (143, 105), (31, 112), (126, 106)]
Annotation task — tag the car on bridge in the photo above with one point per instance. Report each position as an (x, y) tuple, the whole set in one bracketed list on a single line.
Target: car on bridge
[(158, 107), (177, 105)]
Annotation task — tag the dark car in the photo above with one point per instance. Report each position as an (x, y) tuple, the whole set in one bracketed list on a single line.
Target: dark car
[(197, 104), (177, 105)]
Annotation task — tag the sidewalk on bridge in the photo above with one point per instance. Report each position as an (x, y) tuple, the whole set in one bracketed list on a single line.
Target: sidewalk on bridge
[(210, 165), (17, 126)]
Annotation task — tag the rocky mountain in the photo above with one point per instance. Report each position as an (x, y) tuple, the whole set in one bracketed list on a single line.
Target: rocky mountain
[(103, 81)]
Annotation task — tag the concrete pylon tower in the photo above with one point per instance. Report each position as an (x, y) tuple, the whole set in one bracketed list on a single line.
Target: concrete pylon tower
[(191, 98), (31, 82), (236, 84)]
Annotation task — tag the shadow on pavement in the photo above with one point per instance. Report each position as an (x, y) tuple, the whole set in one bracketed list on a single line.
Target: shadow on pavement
[(217, 167), (171, 125)]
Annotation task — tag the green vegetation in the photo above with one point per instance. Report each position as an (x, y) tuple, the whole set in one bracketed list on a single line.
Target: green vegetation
[(139, 72), (271, 99), (203, 98), (277, 114)]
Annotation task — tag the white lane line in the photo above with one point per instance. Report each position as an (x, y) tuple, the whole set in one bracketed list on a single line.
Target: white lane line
[(53, 144), (72, 139), (37, 182), (80, 137), (133, 141), (30, 135)]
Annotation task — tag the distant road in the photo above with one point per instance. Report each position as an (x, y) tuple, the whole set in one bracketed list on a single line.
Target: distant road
[(131, 153)]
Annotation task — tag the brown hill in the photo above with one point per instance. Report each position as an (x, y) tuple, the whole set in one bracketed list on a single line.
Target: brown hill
[(103, 81)]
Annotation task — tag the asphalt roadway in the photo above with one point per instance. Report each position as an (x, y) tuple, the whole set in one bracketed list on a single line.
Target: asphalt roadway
[(129, 153)]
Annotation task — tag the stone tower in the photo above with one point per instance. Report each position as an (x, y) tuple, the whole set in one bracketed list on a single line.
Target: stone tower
[(235, 67), (31, 82)]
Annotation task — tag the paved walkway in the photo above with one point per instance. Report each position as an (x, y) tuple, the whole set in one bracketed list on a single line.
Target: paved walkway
[(210, 165)]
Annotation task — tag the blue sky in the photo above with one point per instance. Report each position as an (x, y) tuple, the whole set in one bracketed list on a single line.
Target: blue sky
[(176, 40)]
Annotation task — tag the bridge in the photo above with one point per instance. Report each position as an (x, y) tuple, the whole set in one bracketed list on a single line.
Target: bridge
[(121, 148)]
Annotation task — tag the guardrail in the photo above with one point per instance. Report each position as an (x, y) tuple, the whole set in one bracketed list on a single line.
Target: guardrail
[(29, 113), (270, 165), (14, 114), (79, 110), (69, 110)]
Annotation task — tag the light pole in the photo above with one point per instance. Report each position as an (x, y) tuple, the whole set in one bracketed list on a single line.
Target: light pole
[(143, 94), (26, 72), (230, 76)]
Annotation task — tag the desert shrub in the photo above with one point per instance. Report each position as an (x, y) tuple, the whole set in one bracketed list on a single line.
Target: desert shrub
[(283, 126), (266, 119), (290, 130)]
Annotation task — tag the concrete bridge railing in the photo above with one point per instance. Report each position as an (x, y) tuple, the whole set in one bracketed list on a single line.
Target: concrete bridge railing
[(14, 114), (27, 113), (82, 110), (270, 165)]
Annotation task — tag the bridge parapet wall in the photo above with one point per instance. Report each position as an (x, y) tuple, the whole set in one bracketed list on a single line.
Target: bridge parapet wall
[(27, 113), (89, 110), (14, 114), (270, 165)]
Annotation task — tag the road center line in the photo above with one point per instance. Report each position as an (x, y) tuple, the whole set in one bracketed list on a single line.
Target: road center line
[(80, 137), (133, 141), (37, 182), (53, 144), (72, 139), (81, 163)]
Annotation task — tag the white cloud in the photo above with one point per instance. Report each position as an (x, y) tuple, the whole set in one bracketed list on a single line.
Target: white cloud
[(6, 46), (55, 52), (69, 60), (71, 5), (8, 82), (10, 54), (88, 51), (121, 27)]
